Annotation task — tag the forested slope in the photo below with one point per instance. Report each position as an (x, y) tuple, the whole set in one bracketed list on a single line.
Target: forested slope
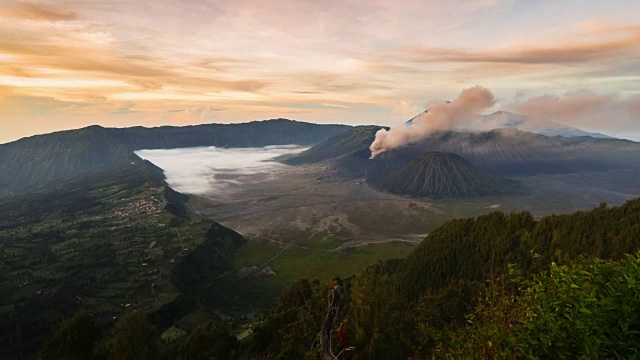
[(415, 306), (501, 286)]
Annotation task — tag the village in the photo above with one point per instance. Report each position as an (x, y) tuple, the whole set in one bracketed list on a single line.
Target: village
[(120, 252)]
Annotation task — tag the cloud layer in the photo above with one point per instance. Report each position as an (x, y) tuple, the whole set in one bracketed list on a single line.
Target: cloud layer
[(213, 171), (618, 115), (165, 62)]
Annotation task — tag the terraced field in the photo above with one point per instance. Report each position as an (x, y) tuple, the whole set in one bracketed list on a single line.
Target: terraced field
[(109, 248)]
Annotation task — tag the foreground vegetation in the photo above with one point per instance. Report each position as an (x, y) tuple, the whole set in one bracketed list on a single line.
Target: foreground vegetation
[(314, 258), (146, 275), (581, 311), (499, 286)]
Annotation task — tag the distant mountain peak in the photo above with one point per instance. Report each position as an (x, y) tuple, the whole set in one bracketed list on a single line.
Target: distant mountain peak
[(505, 119), (441, 174)]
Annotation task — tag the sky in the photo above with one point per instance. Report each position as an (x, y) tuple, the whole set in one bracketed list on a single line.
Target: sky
[(69, 64)]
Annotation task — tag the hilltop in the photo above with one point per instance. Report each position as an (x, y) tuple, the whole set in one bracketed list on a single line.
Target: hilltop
[(441, 175)]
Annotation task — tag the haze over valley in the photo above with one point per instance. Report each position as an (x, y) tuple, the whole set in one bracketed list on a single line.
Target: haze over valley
[(304, 201), (214, 171), (288, 179)]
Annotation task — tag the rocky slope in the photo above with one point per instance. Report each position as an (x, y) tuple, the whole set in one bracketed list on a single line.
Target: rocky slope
[(441, 175)]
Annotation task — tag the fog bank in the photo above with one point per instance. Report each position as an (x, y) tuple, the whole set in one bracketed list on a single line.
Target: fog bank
[(209, 170)]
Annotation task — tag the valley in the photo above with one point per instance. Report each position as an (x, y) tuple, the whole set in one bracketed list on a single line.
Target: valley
[(313, 180), (307, 222), (216, 234), (304, 201)]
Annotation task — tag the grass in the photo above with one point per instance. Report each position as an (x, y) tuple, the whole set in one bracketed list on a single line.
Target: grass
[(310, 259), (58, 255), (315, 258), (317, 262), (255, 253), (171, 334)]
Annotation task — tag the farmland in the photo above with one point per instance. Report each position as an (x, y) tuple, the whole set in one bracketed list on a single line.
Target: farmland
[(114, 255)]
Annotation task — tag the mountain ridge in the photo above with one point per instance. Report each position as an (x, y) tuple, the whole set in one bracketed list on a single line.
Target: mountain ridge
[(504, 119), (121, 131), (40, 160), (506, 151)]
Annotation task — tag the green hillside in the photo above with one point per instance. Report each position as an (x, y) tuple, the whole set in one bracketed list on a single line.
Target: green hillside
[(582, 311), (418, 307), (496, 286), (39, 160), (111, 242)]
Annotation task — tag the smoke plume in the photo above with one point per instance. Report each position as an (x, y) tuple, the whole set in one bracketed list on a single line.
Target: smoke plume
[(441, 116), (610, 113)]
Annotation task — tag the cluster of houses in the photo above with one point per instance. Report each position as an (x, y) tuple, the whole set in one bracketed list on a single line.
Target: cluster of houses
[(150, 205)]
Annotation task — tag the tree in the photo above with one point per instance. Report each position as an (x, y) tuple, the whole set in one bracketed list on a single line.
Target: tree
[(134, 338), (211, 342), (291, 329), (74, 340), (584, 311)]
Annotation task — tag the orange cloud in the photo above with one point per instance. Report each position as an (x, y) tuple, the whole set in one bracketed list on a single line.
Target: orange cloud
[(62, 55), (37, 11), (353, 61), (577, 51)]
